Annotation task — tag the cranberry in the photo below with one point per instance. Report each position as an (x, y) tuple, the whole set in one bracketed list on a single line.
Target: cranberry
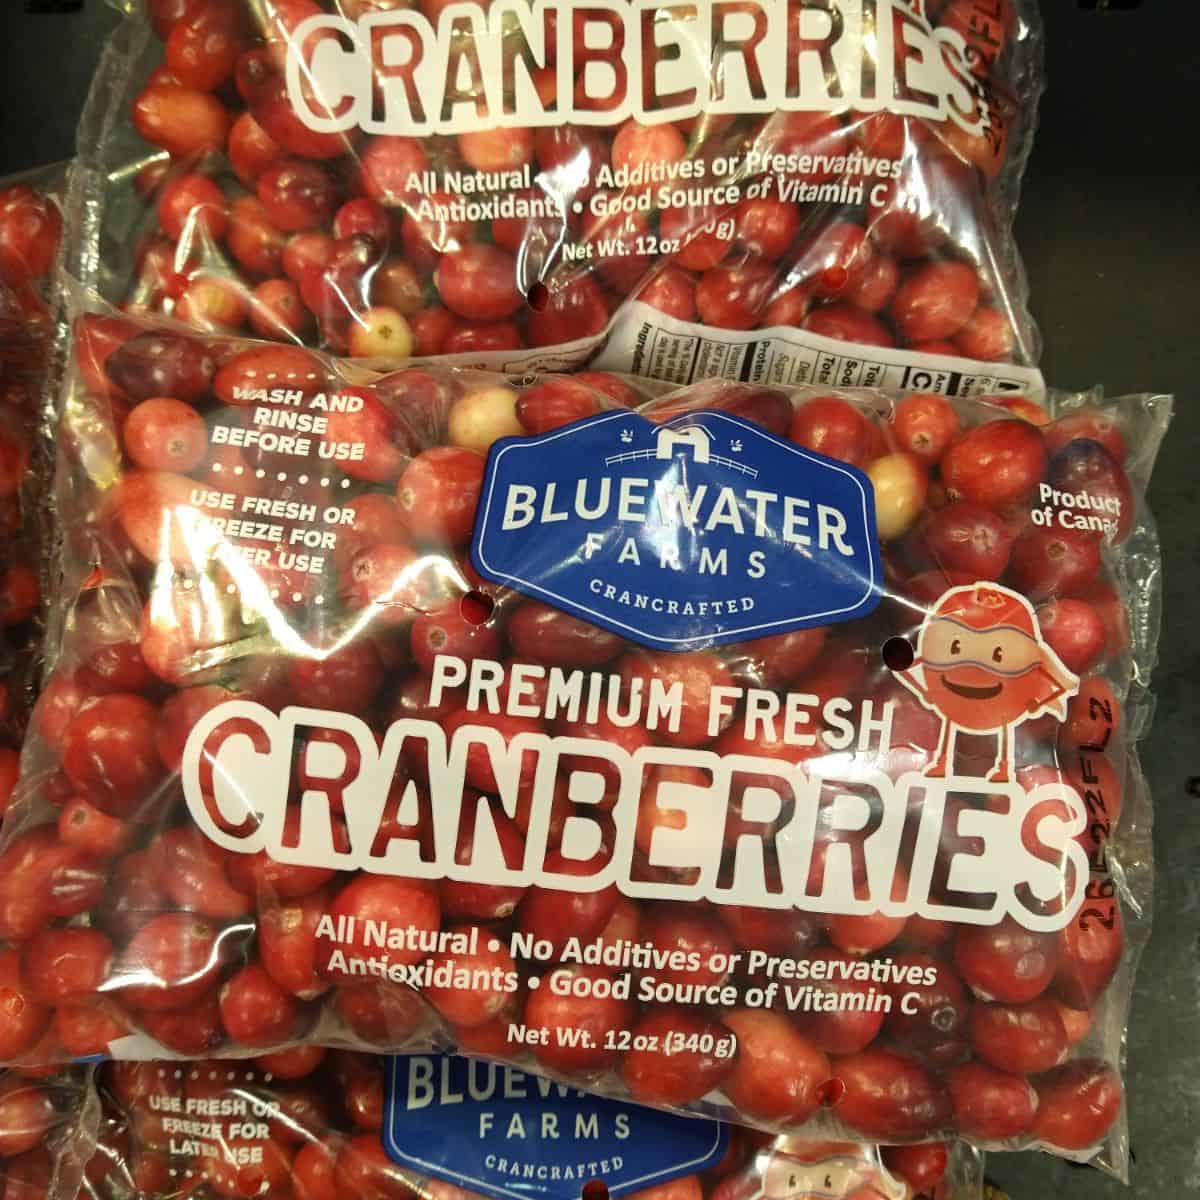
[(1005, 962), (664, 1072), (384, 1014), (345, 679), (65, 964), (575, 997), (922, 1166), (27, 1114), (556, 915), (778, 1074), (438, 493), (671, 290), (109, 752), (845, 323), (967, 537), (22, 1019), (479, 282), (1074, 630), (1054, 562), (888, 1095), (85, 1028), (193, 206), (924, 424), (1089, 953), (313, 1170), (833, 427), (697, 673), (572, 308), (1084, 469), (935, 1026), (901, 485), (1025, 1038), (365, 1170), (1091, 425), (30, 233), (1076, 1105), (676, 928), (409, 904), (183, 121), (987, 336), (255, 1010), (539, 633), (170, 962), (194, 1031), (994, 464), (165, 435), (161, 364), (733, 296), (989, 1103)]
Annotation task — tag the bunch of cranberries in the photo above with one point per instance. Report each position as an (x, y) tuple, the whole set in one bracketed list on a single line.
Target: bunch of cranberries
[(317, 1134), (118, 915), (30, 232), (261, 223)]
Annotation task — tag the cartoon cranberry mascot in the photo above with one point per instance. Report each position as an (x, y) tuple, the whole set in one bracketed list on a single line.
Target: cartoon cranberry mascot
[(983, 666)]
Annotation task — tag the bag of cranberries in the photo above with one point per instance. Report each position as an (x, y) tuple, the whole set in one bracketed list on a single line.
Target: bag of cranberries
[(30, 239), (762, 753), (312, 1124), (691, 191), (48, 1117)]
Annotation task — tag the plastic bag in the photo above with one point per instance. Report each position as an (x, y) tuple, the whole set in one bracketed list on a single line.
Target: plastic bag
[(608, 752), (47, 1131), (312, 1124), (30, 241), (689, 191)]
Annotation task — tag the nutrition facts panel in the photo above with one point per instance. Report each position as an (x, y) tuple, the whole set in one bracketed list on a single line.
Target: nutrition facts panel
[(645, 342)]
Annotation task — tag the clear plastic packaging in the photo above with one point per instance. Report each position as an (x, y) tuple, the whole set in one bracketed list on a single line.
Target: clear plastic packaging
[(685, 191), (316, 1124), (30, 243), (48, 1118), (739, 750)]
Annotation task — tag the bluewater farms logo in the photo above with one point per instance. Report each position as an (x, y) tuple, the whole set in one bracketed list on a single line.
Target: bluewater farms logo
[(699, 531), (494, 1129)]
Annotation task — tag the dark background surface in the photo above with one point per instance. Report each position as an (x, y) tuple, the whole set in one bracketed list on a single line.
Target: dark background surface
[(1110, 232)]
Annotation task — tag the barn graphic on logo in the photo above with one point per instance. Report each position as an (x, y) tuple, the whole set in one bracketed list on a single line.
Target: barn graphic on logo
[(694, 441), (701, 530)]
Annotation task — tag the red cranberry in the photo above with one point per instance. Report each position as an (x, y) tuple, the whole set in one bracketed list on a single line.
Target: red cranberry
[(833, 427), (1074, 630), (27, 1114), (1076, 1105), (888, 1095), (569, 998), (779, 1075), (990, 1104), (109, 752), (174, 959), (935, 1027), (438, 493), (1024, 1038), (922, 1166), (1054, 562), (969, 538), (1089, 953), (994, 464), (924, 424), (666, 1074), (555, 915), (22, 1019), (66, 964), (1005, 962)]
